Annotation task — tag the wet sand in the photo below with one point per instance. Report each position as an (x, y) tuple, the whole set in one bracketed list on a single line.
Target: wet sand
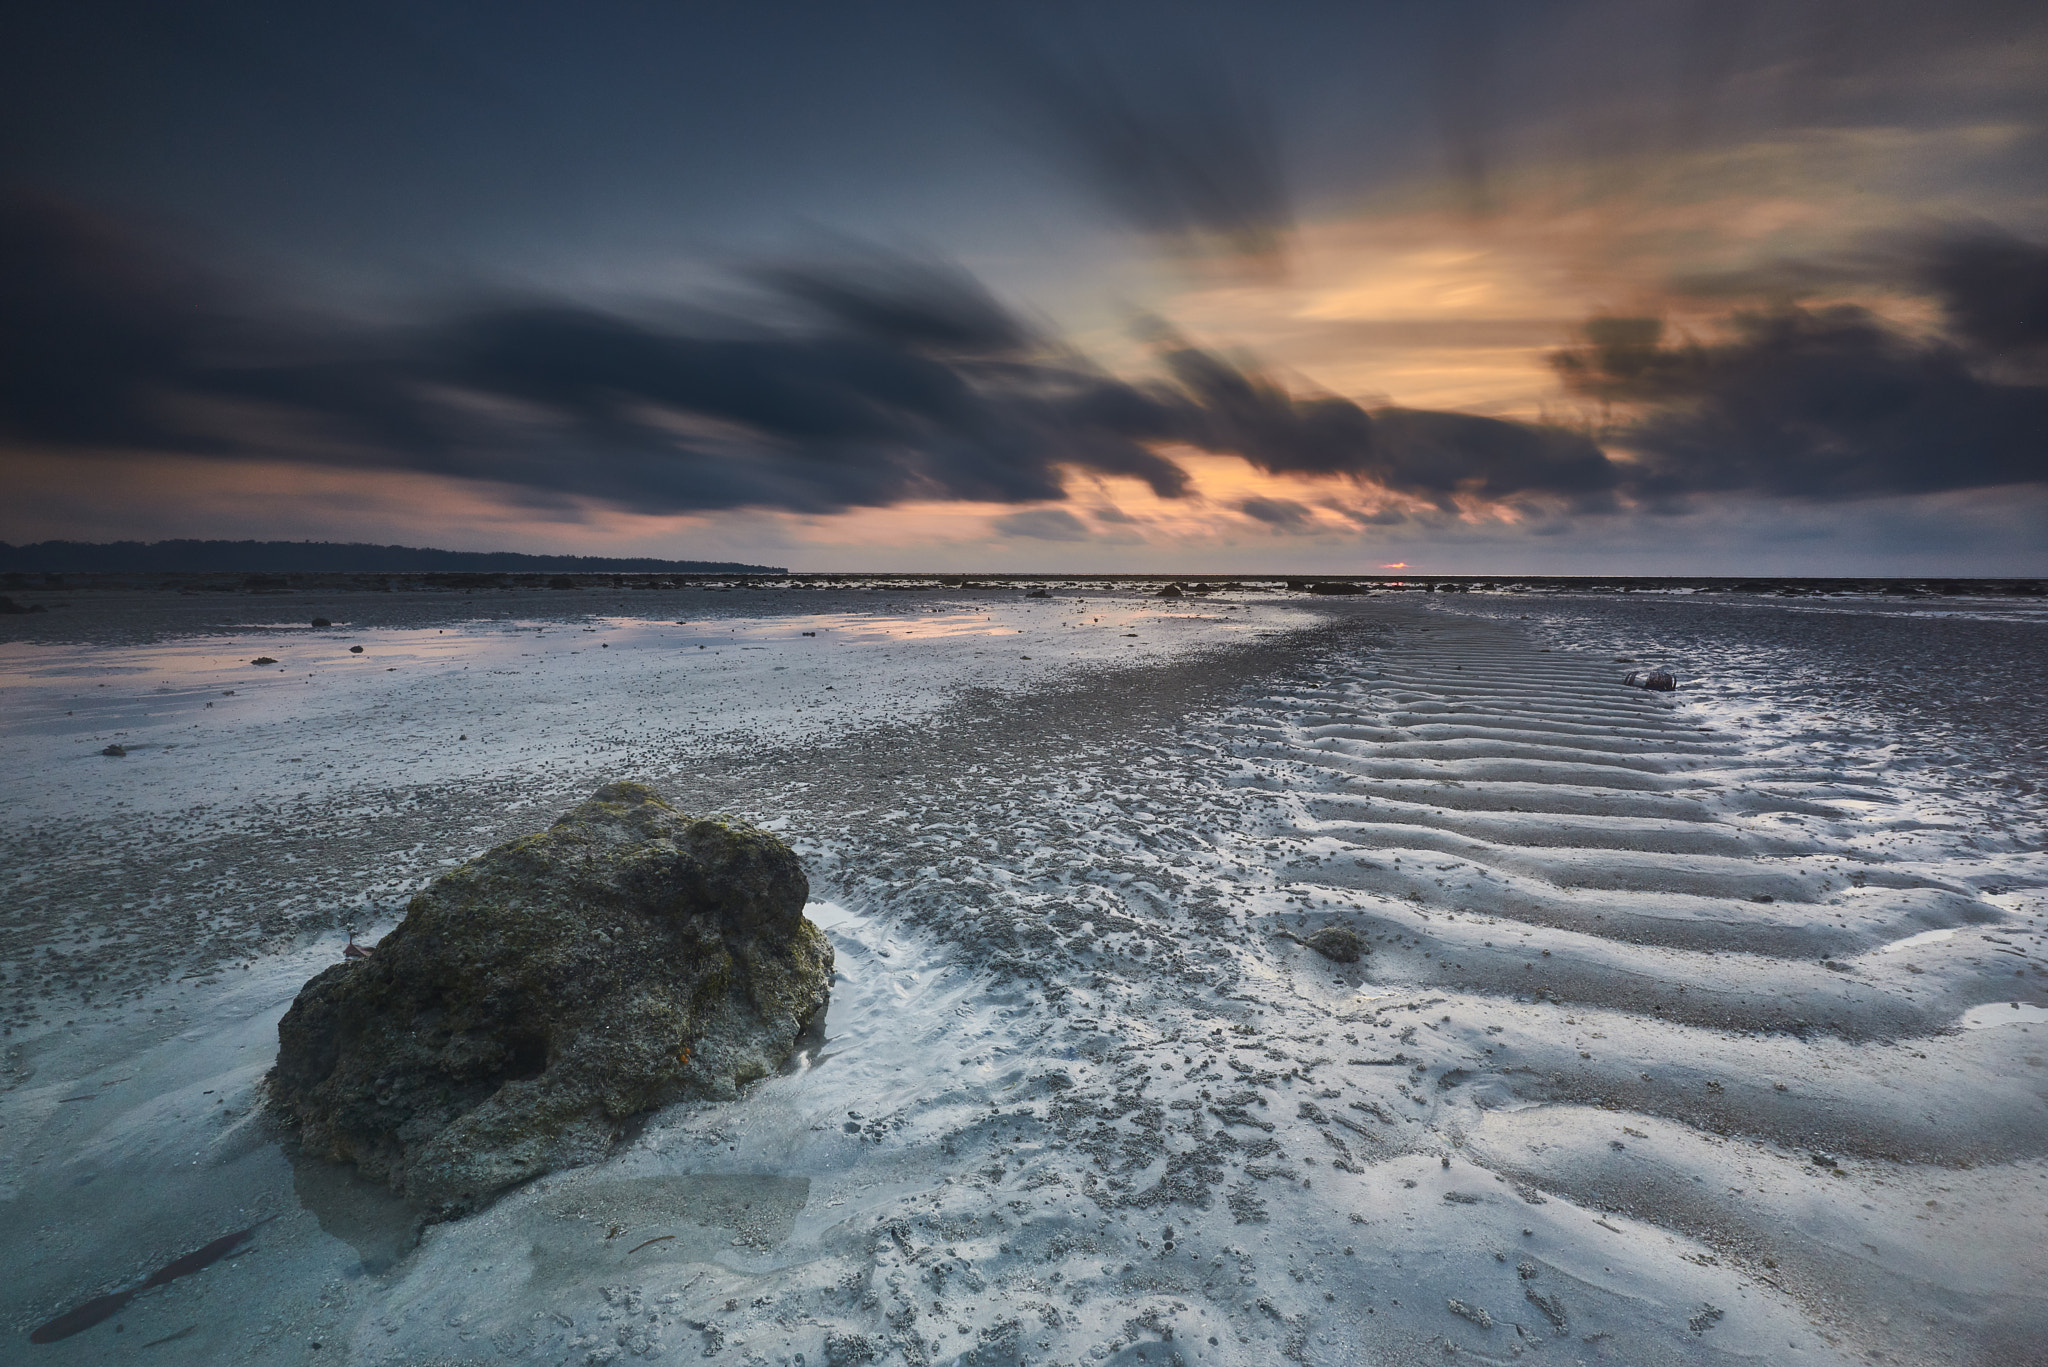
[(1084, 1095)]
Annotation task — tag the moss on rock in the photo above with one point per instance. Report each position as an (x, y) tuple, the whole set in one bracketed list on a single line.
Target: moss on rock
[(1340, 943), (535, 998)]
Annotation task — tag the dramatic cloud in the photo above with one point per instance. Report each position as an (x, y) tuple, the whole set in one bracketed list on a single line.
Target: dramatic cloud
[(899, 380), (87, 326), (1611, 94), (1177, 148), (1282, 514), (1435, 456), (1994, 287), (875, 380), (869, 381), (1041, 524), (1828, 403)]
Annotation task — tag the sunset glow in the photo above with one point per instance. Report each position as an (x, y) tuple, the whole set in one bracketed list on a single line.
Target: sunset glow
[(1190, 343)]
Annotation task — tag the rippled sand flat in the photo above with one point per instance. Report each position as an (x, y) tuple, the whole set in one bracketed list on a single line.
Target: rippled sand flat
[(1694, 1027)]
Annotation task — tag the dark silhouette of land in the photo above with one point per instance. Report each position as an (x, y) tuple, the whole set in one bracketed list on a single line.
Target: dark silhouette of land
[(324, 557)]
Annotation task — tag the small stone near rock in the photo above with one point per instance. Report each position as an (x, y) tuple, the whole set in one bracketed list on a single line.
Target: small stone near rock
[(115, 751)]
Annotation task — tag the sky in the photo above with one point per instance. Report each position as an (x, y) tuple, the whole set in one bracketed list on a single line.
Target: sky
[(1551, 286)]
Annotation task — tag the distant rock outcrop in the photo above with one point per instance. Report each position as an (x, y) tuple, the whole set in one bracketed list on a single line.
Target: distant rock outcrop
[(535, 998)]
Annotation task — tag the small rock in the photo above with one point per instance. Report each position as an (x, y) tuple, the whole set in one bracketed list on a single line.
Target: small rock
[(322, 622), (355, 650), (1339, 943), (115, 751), (844, 1349), (262, 660), (1171, 591), (8, 607)]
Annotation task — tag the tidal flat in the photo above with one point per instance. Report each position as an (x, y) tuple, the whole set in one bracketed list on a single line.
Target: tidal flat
[(1692, 1027)]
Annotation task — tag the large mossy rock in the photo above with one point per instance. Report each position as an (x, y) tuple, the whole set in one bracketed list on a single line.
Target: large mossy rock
[(538, 996)]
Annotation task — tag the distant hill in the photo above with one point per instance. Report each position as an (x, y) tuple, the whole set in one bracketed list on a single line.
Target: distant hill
[(316, 557)]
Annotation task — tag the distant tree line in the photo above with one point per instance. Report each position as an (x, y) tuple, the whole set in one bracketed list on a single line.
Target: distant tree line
[(317, 557)]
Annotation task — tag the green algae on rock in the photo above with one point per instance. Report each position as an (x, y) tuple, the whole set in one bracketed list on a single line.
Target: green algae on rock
[(534, 999), (1339, 943)]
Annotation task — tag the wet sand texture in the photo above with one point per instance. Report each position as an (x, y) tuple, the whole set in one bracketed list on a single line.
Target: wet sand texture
[(1683, 1031)]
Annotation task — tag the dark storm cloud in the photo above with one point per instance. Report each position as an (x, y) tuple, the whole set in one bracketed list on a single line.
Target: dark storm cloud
[(1435, 455), (1042, 524), (1431, 455), (89, 326), (866, 381), (1993, 287), (904, 379), (878, 379), (1177, 147), (1828, 403), (1385, 517), (1282, 514), (913, 303)]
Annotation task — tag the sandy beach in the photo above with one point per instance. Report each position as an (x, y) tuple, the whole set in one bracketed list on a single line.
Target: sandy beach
[(1694, 1027)]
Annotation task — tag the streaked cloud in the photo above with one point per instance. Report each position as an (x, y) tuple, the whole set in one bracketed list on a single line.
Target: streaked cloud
[(1041, 524)]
